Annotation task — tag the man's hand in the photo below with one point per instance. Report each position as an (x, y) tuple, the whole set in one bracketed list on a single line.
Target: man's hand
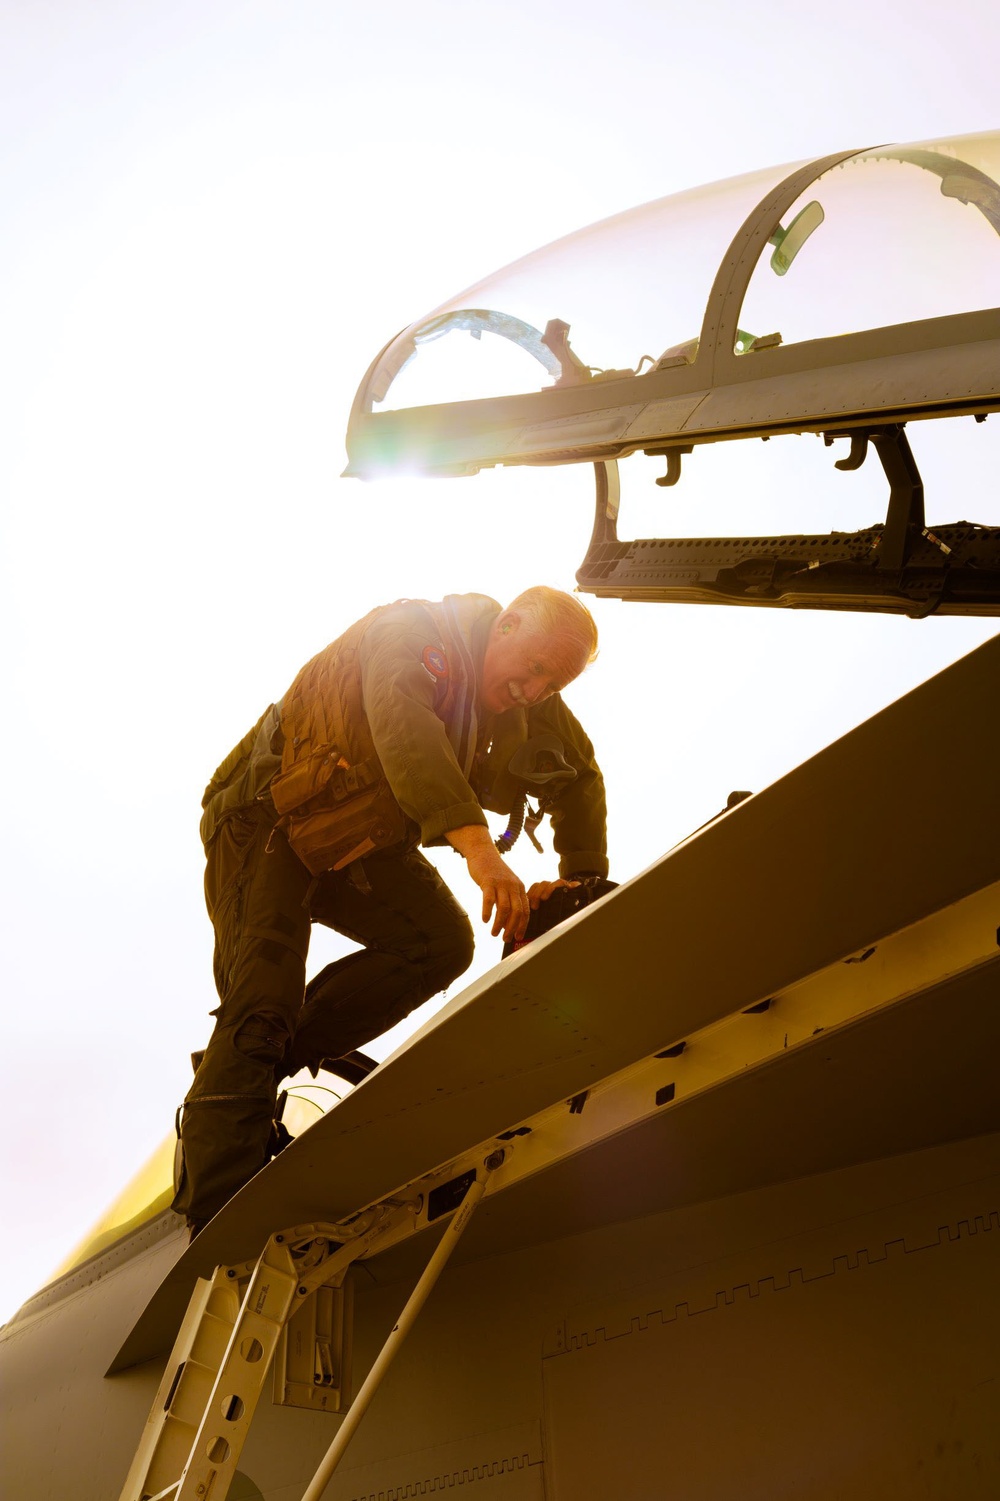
[(542, 890), (503, 892)]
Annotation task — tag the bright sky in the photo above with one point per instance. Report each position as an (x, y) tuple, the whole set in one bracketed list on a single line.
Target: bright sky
[(213, 216)]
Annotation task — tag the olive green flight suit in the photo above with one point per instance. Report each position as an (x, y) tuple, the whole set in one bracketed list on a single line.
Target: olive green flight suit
[(416, 938)]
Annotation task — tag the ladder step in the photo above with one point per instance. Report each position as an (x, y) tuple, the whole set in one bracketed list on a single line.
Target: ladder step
[(184, 1389)]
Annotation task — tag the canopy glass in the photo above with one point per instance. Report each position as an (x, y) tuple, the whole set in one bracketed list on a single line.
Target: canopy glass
[(886, 236), (630, 286), (889, 236)]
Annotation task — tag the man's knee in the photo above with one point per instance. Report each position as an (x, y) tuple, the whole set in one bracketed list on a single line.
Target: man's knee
[(451, 953)]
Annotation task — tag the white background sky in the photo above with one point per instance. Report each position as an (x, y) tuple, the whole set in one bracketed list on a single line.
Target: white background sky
[(213, 216)]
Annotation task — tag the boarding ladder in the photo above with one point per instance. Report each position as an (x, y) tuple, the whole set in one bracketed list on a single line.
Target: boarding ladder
[(239, 1320)]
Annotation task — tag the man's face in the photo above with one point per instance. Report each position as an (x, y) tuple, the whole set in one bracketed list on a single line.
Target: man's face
[(524, 665)]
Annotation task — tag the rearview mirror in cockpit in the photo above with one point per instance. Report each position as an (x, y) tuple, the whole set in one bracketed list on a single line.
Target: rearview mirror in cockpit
[(788, 242)]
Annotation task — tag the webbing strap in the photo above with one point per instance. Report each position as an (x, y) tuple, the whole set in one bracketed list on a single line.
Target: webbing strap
[(273, 935)]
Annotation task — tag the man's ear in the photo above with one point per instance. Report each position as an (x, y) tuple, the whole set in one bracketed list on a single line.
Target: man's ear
[(508, 622)]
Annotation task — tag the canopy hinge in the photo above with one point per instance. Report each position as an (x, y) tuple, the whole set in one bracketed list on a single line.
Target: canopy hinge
[(904, 522)]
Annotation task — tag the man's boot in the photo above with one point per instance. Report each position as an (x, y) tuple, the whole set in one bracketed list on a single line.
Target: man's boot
[(353, 1067)]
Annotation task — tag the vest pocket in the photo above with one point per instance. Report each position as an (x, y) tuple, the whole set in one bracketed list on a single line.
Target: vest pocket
[(304, 779), (331, 838)]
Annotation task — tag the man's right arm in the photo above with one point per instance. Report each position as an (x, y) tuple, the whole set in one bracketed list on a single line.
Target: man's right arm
[(421, 768), (411, 741), (502, 889)]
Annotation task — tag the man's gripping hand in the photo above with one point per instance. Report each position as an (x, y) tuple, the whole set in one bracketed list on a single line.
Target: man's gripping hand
[(542, 890), (503, 892)]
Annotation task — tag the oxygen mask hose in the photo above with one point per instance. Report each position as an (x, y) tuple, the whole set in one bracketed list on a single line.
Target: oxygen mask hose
[(510, 835), (540, 764)]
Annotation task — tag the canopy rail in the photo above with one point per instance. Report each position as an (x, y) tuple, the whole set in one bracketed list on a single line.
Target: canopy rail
[(901, 567)]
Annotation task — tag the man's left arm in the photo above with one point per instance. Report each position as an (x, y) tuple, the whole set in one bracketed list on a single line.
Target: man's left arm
[(579, 817)]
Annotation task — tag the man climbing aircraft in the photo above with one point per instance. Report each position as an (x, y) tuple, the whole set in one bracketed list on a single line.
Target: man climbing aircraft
[(398, 733)]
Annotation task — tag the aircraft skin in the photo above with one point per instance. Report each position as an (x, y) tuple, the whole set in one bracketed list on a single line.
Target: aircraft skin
[(744, 1235), (783, 1274)]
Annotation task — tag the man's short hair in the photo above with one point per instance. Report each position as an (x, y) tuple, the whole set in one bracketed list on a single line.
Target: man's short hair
[(558, 613)]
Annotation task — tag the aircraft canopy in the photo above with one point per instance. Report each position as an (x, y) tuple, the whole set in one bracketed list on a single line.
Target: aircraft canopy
[(615, 338)]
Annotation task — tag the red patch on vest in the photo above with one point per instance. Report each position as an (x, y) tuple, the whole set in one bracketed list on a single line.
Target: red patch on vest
[(435, 661)]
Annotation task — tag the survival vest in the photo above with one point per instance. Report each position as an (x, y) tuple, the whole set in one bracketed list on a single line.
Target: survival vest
[(332, 795)]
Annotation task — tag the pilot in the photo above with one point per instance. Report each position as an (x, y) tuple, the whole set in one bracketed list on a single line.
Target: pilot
[(399, 733)]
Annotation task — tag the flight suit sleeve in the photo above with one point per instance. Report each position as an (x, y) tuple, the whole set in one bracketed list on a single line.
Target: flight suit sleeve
[(579, 817), (399, 695)]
